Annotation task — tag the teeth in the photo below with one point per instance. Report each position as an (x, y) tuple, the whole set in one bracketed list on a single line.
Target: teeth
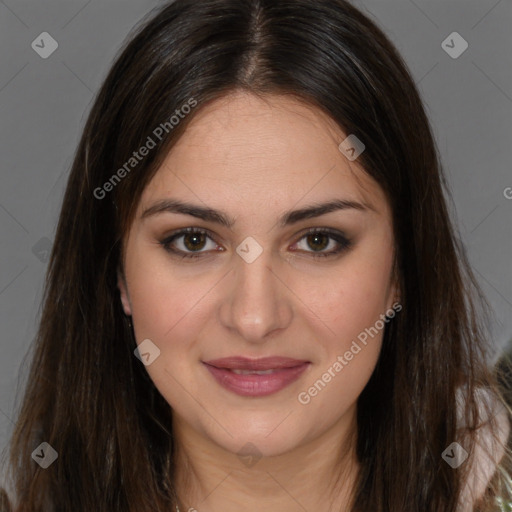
[(252, 372)]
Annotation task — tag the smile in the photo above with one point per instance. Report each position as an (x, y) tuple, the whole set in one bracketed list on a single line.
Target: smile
[(256, 378)]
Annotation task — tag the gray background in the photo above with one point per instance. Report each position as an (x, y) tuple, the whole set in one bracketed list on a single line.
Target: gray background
[(44, 103)]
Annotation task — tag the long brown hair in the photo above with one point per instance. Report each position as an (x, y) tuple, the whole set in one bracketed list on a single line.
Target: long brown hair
[(92, 400)]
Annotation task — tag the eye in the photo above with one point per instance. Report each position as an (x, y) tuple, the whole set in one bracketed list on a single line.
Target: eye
[(320, 239), (191, 245)]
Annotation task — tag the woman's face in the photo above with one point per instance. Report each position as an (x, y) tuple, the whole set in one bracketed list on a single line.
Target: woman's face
[(252, 284)]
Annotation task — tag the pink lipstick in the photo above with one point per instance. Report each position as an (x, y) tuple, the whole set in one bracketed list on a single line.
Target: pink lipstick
[(256, 377)]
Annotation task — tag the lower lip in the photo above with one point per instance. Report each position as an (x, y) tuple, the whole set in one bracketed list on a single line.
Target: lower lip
[(256, 385)]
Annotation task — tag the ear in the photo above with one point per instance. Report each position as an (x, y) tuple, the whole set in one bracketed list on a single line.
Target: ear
[(123, 288), (394, 293)]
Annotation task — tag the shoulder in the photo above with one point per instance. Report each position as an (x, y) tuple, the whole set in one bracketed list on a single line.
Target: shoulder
[(489, 447)]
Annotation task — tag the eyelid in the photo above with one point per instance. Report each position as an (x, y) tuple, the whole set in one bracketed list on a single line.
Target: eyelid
[(184, 231), (344, 243)]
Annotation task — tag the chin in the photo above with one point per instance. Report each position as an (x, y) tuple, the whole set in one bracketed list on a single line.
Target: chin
[(265, 435)]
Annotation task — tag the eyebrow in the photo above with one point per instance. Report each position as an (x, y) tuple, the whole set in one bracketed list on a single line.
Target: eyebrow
[(218, 217)]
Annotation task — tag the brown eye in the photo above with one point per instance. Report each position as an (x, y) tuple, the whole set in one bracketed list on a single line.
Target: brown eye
[(189, 243), (194, 241), (317, 241)]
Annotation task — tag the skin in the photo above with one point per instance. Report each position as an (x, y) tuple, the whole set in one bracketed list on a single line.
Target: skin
[(255, 160)]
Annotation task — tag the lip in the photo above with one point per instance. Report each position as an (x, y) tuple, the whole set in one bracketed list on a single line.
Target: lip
[(283, 371)]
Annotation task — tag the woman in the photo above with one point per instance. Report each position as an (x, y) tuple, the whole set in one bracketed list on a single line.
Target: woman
[(256, 299)]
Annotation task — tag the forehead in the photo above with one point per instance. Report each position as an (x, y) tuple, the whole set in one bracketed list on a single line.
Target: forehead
[(251, 148)]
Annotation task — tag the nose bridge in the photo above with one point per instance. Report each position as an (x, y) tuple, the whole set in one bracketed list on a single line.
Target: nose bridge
[(256, 304)]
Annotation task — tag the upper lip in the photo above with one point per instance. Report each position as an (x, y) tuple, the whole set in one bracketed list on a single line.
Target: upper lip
[(264, 363)]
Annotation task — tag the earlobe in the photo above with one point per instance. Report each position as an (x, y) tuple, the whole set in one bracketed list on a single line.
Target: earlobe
[(394, 301), (123, 289), (395, 292)]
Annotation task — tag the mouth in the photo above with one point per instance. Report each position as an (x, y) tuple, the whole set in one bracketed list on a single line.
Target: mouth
[(256, 377), (252, 372)]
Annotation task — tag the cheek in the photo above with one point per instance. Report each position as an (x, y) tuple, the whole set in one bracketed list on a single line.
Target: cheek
[(351, 306), (162, 302), (171, 312), (354, 297)]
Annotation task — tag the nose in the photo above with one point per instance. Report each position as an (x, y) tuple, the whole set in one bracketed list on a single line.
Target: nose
[(255, 302)]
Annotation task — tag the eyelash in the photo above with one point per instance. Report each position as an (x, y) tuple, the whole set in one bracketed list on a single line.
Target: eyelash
[(344, 243)]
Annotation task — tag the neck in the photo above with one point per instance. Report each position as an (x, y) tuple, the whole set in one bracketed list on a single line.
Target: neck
[(318, 475)]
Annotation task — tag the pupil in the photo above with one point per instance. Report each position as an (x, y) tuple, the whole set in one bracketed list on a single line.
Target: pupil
[(315, 238), (197, 241)]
